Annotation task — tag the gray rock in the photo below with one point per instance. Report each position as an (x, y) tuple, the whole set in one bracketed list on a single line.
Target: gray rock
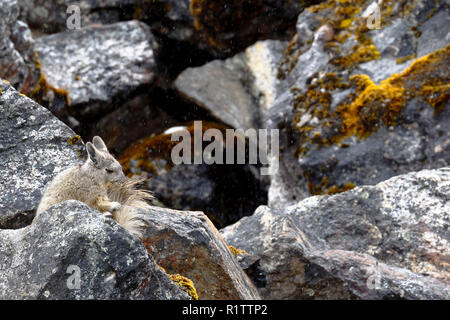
[(187, 243), (237, 91), (325, 147), (34, 146), (213, 26), (52, 16), (372, 242), (99, 66), (42, 261), (17, 58)]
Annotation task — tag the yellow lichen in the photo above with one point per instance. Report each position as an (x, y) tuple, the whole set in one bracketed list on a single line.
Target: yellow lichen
[(185, 284), (74, 140), (382, 103), (43, 87), (235, 251), (404, 59)]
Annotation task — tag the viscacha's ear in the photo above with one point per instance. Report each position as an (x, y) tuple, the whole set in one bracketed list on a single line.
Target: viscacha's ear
[(99, 144), (93, 153)]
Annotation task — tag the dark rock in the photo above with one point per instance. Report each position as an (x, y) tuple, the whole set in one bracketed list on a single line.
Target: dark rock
[(224, 192), (187, 243), (222, 28), (99, 67), (34, 146), (372, 242), (17, 58), (40, 261)]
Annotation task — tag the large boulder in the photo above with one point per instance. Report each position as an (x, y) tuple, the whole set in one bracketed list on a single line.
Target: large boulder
[(360, 102), (187, 243), (17, 59), (98, 67), (239, 90), (34, 146), (73, 252), (372, 242)]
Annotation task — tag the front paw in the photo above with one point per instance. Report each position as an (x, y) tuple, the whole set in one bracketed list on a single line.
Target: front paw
[(115, 206)]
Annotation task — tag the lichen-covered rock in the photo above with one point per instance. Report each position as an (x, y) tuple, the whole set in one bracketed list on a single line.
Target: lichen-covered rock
[(17, 58), (73, 252), (239, 90), (372, 242), (34, 146), (224, 192), (361, 102), (187, 243), (99, 66)]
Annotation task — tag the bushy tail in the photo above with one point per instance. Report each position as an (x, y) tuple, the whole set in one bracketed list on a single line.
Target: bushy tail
[(132, 199)]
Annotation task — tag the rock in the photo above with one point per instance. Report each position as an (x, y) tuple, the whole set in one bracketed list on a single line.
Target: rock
[(187, 243), (221, 28), (224, 192), (34, 146), (227, 27), (138, 117), (372, 242), (238, 90), (55, 16), (356, 106), (99, 67), (17, 59), (42, 261)]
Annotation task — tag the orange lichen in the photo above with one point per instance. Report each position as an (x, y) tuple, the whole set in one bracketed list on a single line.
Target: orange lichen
[(154, 147)]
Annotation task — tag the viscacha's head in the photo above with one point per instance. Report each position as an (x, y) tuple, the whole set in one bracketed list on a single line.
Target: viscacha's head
[(103, 165)]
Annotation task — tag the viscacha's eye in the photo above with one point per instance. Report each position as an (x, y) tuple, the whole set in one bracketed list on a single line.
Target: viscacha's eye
[(109, 170)]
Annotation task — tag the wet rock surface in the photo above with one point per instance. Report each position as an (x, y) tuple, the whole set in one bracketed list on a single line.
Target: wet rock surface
[(372, 242), (75, 240), (34, 146)]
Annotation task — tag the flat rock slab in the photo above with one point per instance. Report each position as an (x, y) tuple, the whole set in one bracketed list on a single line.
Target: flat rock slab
[(34, 147), (99, 66), (187, 243), (70, 241)]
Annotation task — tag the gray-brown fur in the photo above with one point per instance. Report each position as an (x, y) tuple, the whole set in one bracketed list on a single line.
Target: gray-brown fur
[(102, 185)]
